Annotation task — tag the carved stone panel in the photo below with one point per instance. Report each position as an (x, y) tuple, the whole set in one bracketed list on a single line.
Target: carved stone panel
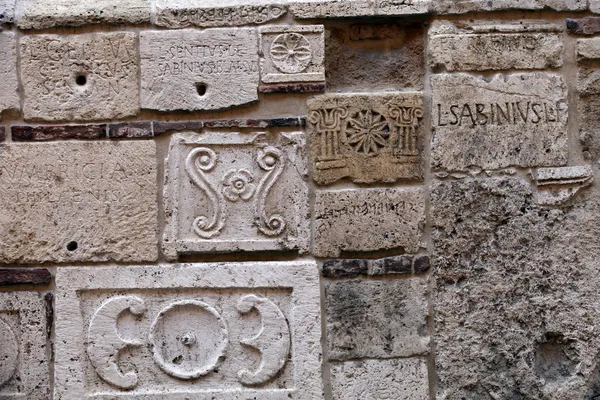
[(368, 220), (199, 70), (24, 363), (357, 8), (8, 71), (92, 76), (75, 201), (465, 6), (366, 138), (197, 331), (228, 191), (292, 53), (492, 123)]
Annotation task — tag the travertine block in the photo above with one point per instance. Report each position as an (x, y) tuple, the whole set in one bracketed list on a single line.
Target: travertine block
[(227, 192), (508, 120), (556, 186), (8, 71), (495, 45), (368, 220), (197, 331), (380, 379), (376, 319), (24, 361), (92, 76), (465, 6), (367, 138), (357, 8), (206, 14), (76, 201), (7, 11), (41, 14), (292, 53), (199, 70)]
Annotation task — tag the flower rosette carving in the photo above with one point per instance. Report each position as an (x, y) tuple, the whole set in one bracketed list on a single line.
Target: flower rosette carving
[(270, 159), (367, 132), (238, 184), (291, 53)]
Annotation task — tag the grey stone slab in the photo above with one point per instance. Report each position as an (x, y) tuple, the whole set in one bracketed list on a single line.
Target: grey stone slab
[(507, 120), (376, 319), (465, 6), (9, 83), (7, 11), (199, 70), (357, 8), (91, 76), (231, 331), (78, 201), (595, 6)]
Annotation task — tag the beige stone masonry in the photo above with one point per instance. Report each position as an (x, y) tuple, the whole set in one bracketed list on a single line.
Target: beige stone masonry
[(9, 84), (7, 11), (465, 6), (357, 8)]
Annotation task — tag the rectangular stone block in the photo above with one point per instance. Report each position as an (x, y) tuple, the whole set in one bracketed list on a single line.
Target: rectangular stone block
[(57, 132), (8, 71), (292, 53), (357, 8), (380, 379), (583, 26), (189, 331), (199, 70), (465, 6), (495, 45), (78, 201), (492, 123), (368, 220), (91, 76), (41, 14), (21, 276), (129, 130), (366, 138), (228, 192), (376, 319), (24, 366)]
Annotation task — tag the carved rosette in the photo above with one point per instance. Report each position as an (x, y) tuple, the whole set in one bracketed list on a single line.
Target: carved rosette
[(291, 53)]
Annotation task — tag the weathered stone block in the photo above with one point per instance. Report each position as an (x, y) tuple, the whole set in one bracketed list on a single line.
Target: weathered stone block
[(78, 201), (2, 134), (227, 192), (57, 132), (8, 71), (7, 11), (380, 379), (495, 45), (557, 186), (367, 138), (376, 319), (24, 370), (21, 276), (357, 8), (129, 130), (228, 331), (91, 76), (368, 220), (584, 26), (199, 70), (508, 120), (465, 6), (595, 6)]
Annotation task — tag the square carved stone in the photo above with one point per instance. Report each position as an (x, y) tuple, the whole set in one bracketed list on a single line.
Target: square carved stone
[(24, 363), (192, 331), (366, 138), (227, 192)]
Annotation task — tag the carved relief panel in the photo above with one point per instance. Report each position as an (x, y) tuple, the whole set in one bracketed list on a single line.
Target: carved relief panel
[(229, 191), (366, 138), (199, 331)]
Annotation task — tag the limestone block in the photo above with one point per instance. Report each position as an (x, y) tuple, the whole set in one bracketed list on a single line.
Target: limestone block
[(92, 76), (8, 71), (227, 192), (557, 186), (41, 14), (24, 363), (508, 120), (7, 11), (465, 6), (376, 319), (357, 8), (367, 138), (380, 379), (199, 70), (495, 45), (292, 53), (78, 201), (368, 220), (197, 331), (214, 13)]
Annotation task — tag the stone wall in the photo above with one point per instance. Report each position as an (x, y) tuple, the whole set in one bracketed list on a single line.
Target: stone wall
[(299, 199)]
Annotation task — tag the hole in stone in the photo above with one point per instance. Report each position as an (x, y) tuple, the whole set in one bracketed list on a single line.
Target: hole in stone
[(555, 358), (72, 246), (81, 80), (201, 88)]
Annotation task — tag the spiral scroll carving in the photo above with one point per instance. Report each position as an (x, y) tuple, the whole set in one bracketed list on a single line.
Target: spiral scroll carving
[(271, 160)]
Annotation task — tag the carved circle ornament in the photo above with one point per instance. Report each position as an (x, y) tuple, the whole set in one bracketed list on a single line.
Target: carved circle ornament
[(9, 353), (367, 132), (291, 53), (189, 339)]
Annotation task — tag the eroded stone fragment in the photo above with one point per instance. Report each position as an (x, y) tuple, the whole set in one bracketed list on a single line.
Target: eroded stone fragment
[(227, 192), (367, 138), (584, 26), (595, 6), (495, 45), (228, 331), (199, 70), (559, 185), (404, 379), (368, 220), (376, 319), (8, 71), (465, 6), (588, 87), (22, 276), (357, 8), (508, 120), (78, 201), (91, 76), (24, 366)]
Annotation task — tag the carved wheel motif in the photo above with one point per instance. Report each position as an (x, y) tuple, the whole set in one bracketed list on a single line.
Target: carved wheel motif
[(9, 353), (291, 53), (367, 132)]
